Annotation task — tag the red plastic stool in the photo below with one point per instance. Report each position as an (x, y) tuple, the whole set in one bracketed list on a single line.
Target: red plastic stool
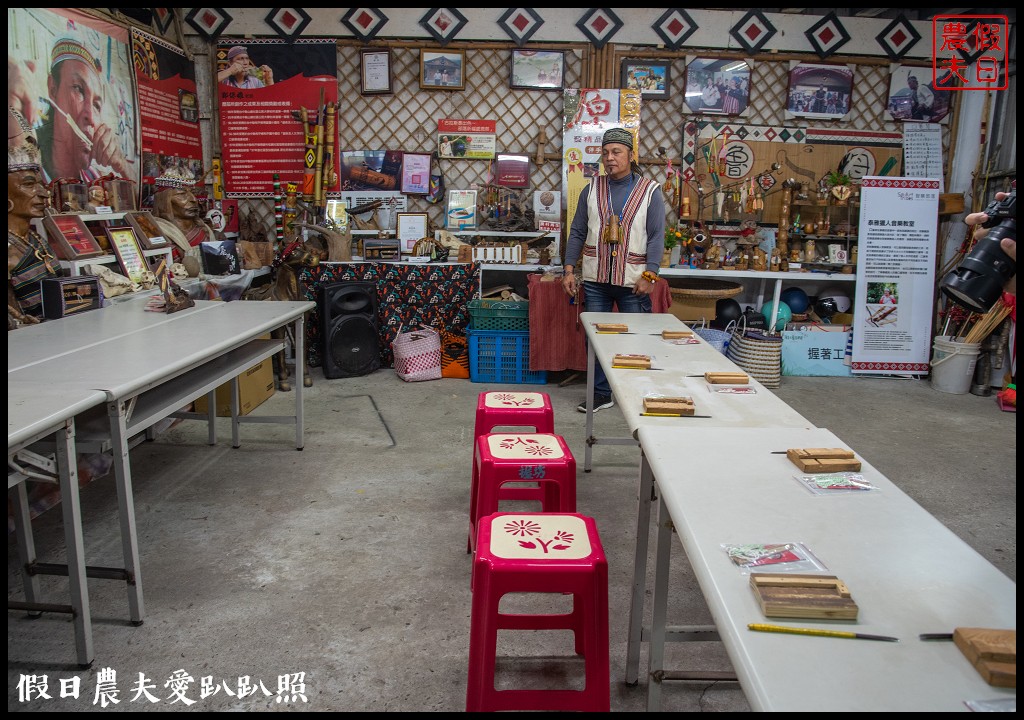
[(541, 459), (502, 408), (539, 553)]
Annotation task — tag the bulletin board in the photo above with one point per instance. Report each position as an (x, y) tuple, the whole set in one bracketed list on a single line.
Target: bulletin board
[(724, 159)]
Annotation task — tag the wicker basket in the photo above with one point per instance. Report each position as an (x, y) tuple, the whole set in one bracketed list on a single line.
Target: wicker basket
[(695, 299)]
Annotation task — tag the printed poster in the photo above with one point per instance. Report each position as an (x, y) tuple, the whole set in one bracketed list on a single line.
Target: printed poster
[(467, 139), (895, 275)]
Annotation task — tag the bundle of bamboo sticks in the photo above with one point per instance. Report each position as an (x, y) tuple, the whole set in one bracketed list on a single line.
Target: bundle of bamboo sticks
[(988, 322)]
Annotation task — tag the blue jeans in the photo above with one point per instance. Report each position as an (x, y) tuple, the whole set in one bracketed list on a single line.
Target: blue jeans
[(605, 297)]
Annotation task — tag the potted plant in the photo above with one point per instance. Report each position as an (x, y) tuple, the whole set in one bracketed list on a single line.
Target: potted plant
[(674, 236), (839, 186)]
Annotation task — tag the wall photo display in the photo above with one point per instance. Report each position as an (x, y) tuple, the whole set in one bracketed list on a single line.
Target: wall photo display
[(913, 96), (651, 77), (375, 75), (537, 70), (717, 87), (442, 69), (819, 91)]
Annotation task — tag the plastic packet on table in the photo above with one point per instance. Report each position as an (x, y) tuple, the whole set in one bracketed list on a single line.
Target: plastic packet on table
[(835, 483), (792, 557), (732, 389)]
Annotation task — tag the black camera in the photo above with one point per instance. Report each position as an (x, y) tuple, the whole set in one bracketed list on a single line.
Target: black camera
[(978, 281)]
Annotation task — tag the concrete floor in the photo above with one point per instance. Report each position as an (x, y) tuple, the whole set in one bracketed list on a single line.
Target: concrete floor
[(347, 561)]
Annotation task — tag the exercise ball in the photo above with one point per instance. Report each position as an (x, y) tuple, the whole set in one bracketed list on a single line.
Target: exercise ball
[(727, 310), (784, 315), (796, 298)]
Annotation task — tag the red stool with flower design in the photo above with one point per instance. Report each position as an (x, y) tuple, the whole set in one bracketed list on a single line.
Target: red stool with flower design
[(539, 553), (541, 460), (503, 408)]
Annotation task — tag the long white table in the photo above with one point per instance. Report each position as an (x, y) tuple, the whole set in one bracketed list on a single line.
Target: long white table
[(907, 572), (35, 412), (153, 367)]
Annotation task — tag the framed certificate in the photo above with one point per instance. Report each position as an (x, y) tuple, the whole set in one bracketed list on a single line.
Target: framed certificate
[(129, 253), (69, 236), (410, 229), (375, 77), (415, 173)]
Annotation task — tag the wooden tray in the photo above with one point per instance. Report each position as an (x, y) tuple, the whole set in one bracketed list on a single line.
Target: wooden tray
[(726, 378), (823, 460), (631, 361), (612, 327), (792, 595), (992, 652), (669, 405)]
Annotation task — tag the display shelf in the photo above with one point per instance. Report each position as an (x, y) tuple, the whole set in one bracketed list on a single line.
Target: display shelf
[(74, 267)]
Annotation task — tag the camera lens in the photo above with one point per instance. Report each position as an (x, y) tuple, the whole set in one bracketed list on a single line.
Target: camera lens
[(978, 281)]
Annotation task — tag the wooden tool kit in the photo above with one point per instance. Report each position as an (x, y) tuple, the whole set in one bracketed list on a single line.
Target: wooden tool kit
[(790, 595), (638, 362), (726, 378), (823, 460), (676, 334), (612, 327), (992, 652), (669, 406)]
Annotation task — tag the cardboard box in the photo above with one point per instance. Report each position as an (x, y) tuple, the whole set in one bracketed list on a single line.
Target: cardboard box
[(255, 385), (813, 353)]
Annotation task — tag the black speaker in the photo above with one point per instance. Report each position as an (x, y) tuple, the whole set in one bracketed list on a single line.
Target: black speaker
[(349, 329)]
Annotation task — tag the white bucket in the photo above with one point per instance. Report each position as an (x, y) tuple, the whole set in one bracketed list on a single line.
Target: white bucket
[(953, 365)]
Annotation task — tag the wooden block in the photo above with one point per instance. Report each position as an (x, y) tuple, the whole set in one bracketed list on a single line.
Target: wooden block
[(803, 596), (631, 361), (992, 652), (823, 460), (612, 327), (726, 378), (676, 334), (669, 406)]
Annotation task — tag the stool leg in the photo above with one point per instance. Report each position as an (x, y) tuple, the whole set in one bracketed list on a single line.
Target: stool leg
[(483, 643)]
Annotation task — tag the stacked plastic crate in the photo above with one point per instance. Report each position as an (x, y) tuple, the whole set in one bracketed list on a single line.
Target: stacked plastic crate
[(499, 342)]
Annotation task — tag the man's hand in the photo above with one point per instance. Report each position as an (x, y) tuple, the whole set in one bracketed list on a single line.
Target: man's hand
[(569, 284), (268, 75), (106, 151)]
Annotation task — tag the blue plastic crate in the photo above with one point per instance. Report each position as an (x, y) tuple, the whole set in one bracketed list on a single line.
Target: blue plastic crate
[(496, 356)]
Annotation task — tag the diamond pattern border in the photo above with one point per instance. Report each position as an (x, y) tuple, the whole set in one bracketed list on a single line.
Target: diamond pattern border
[(753, 31), (898, 38), (364, 22), (209, 22), (288, 22), (163, 17), (443, 24), (827, 35), (520, 24), (599, 25), (674, 27)]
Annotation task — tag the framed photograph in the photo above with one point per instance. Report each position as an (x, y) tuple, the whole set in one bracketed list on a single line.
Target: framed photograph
[(442, 69), (717, 87), (913, 97), (69, 237), (819, 91), (146, 230), (650, 77), (537, 70), (128, 251), (375, 75), (461, 211), (410, 229), (416, 173)]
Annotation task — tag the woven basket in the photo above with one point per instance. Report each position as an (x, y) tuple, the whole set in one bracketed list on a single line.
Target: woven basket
[(705, 288)]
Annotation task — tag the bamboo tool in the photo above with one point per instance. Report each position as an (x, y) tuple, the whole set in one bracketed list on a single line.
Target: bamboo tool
[(675, 334), (669, 406), (992, 652), (823, 460), (988, 322), (612, 327), (631, 362), (542, 140), (330, 131), (792, 595), (725, 378), (763, 627), (318, 168)]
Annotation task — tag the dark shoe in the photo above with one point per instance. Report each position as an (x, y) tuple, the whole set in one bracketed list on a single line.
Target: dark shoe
[(600, 403)]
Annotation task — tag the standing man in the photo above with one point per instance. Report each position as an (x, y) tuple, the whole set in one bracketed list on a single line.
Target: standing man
[(242, 73), (921, 100), (617, 238), (74, 140)]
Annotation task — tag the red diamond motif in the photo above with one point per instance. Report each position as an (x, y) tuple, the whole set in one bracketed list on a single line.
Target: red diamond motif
[(442, 23), (364, 20), (675, 27), (899, 38), (209, 19), (752, 32), (826, 36), (599, 25), (521, 22), (289, 20)]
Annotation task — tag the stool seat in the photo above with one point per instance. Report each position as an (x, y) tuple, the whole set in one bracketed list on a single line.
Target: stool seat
[(535, 467), (506, 408), (543, 553)]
